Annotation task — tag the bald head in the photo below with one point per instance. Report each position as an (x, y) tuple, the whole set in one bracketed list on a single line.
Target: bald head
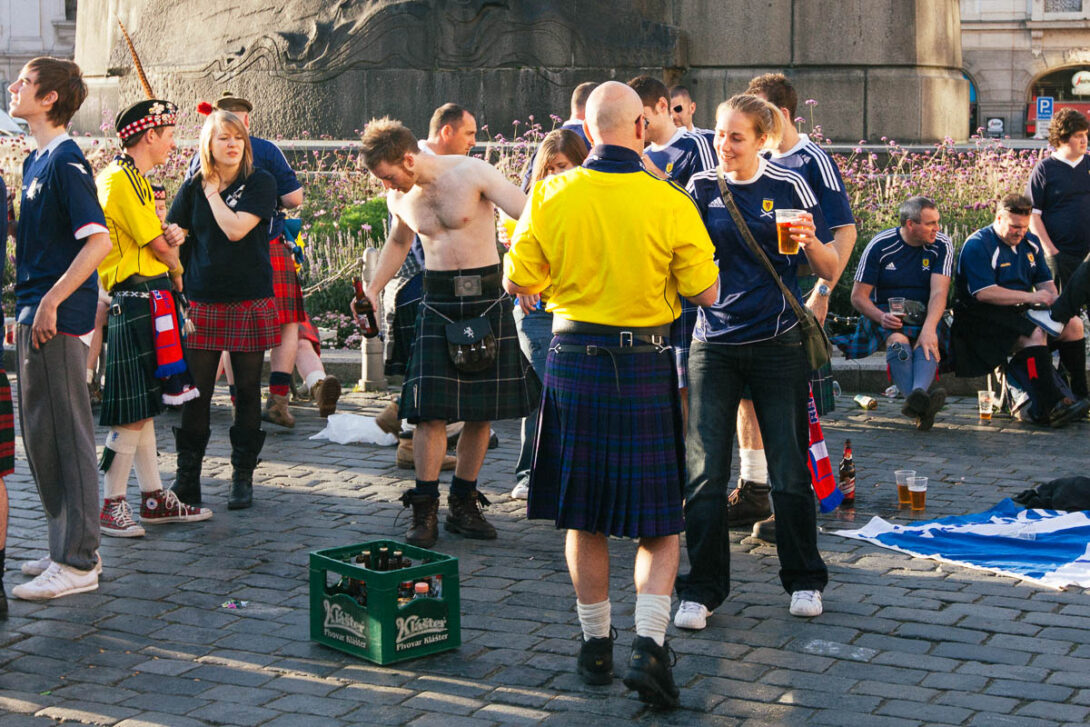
[(612, 111)]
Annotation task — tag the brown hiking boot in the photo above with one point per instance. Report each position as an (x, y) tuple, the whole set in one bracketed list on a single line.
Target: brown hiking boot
[(388, 420), (325, 394), (766, 530), (276, 411), (748, 503), (465, 516), (424, 530), (405, 456)]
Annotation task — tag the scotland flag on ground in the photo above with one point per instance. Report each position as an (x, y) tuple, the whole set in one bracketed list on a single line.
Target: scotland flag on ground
[(1047, 547)]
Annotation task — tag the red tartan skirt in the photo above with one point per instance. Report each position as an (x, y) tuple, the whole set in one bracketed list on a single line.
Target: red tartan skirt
[(289, 296), (7, 427), (307, 332), (243, 326)]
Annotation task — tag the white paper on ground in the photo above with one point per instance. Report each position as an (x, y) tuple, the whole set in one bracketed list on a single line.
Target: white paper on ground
[(351, 428)]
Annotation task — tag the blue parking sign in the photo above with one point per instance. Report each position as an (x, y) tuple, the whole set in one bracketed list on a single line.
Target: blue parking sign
[(1044, 108)]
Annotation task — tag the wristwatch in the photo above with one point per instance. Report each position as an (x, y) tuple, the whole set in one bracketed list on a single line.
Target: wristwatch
[(823, 290)]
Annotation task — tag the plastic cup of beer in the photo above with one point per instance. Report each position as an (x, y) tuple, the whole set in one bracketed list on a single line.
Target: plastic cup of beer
[(785, 220), (902, 485), (917, 492), (984, 404), (897, 307)]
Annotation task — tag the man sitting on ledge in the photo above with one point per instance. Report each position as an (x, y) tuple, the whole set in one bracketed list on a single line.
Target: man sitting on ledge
[(1001, 273)]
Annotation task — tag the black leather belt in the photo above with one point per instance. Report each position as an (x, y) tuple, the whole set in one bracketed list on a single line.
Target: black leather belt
[(462, 286), (628, 337)]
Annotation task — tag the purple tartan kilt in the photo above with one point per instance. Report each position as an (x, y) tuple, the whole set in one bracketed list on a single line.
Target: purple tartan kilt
[(609, 460), (681, 338), (243, 326), (286, 290)]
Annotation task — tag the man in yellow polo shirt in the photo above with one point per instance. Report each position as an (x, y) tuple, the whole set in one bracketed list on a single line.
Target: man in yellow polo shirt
[(140, 270), (618, 246)]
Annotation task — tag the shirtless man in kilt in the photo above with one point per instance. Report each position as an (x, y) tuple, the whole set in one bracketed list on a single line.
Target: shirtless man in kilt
[(141, 272), (473, 371), (618, 245)]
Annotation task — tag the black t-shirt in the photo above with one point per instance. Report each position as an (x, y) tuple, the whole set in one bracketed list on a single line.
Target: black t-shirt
[(216, 269)]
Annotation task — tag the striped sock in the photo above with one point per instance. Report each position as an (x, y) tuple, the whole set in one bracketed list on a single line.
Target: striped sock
[(279, 383)]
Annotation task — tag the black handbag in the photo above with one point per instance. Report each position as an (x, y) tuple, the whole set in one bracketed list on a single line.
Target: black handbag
[(815, 342)]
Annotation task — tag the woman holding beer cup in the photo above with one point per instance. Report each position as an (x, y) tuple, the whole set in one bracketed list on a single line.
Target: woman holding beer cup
[(748, 344)]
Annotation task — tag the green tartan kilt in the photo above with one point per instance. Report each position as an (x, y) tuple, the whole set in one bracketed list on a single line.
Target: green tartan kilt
[(132, 392), (435, 390)]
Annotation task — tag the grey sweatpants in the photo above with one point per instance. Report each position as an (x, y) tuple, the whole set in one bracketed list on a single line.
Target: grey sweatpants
[(58, 435)]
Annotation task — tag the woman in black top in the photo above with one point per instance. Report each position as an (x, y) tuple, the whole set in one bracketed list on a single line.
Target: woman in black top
[(226, 210)]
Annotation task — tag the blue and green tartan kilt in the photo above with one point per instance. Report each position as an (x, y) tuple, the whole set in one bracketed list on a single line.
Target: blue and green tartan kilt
[(435, 390), (132, 392), (609, 455), (681, 338)]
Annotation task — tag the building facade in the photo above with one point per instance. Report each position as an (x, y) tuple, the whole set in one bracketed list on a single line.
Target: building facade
[(1016, 50), (31, 28)]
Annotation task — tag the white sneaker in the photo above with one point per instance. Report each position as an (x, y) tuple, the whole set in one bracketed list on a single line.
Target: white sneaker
[(521, 491), (57, 580), (37, 567), (1045, 322), (691, 615), (806, 603)]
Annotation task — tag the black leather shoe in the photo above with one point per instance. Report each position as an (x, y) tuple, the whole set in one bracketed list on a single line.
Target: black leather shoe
[(649, 674), (595, 663), (916, 404)]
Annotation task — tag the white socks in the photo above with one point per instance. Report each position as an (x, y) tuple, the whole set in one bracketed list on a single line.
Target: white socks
[(123, 443), (312, 378), (652, 616), (752, 465), (147, 461), (595, 619)]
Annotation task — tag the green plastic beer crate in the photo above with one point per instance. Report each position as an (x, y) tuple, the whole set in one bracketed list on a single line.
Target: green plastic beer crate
[(383, 631)]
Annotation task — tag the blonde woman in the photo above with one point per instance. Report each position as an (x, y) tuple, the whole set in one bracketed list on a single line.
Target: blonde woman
[(226, 210)]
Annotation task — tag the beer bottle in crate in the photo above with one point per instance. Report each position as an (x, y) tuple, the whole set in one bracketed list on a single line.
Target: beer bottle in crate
[(365, 312), (847, 477), (383, 559), (421, 589), (396, 560)]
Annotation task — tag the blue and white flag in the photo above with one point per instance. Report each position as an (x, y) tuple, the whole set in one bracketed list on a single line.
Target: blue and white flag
[(1047, 547)]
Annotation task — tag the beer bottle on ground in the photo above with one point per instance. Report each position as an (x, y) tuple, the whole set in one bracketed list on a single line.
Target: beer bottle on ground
[(847, 476)]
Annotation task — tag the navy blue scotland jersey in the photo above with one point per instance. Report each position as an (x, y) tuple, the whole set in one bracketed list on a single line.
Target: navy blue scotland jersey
[(897, 269), (58, 211), (986, 261), (1060, 192), (683, 156), (822, 174), (751, 307)]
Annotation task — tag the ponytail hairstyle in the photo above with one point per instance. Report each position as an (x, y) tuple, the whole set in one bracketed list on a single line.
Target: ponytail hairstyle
[(766, 117)]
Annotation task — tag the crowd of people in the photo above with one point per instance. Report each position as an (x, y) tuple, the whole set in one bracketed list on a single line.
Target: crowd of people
[(646, 310)]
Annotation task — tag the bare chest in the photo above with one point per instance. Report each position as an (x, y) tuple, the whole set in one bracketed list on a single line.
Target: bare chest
[(443, 208)]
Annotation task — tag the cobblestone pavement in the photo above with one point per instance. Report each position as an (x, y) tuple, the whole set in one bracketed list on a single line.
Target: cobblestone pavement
[(902, 641)]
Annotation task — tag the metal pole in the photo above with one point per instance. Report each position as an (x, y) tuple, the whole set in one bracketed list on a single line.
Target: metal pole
[(372, 374)]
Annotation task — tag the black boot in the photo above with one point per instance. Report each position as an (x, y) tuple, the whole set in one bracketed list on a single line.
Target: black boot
[(190, 447), (245, 446), (424, 530), (748, 503), (465, 516), (649, 674)]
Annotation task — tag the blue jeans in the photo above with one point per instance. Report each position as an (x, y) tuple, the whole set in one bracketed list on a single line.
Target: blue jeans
[(535, 333), (777, 375)]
